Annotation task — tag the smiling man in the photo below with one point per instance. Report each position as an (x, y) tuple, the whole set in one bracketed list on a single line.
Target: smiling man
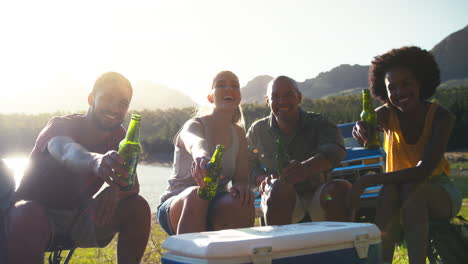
[(72, 158), (314, 145)]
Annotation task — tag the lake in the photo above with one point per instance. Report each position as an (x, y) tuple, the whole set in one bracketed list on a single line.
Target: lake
[(153, 179)]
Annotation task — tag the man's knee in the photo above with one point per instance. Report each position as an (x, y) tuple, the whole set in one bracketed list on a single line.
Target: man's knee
[(336, 190), (135, 206), (27, 215), (133, 217), (280, 194), (28, 220), (333, 200)]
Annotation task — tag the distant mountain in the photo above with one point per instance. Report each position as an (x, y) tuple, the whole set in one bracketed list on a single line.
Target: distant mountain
[(148, 95), (452, 55), (54, 97), (344, 79), (454, 83), (337, 80), (254, 91)]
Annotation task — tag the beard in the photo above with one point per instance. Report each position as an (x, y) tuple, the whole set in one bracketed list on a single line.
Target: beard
[(96, 121)]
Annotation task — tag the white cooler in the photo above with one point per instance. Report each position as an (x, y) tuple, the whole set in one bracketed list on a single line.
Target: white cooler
[(314, 242)]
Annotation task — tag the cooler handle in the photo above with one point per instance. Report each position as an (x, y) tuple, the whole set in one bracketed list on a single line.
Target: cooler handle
[(361, 244), (261, 255)]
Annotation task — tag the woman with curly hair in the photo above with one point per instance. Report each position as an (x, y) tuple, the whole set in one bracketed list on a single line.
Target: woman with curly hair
[(416, 186)]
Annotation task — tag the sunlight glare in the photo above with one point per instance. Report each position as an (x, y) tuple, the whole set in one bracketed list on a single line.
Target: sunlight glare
[(18, 165)]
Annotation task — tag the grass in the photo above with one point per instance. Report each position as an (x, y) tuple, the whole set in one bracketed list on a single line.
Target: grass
[(108, 254), (154, 251), (459, 166)]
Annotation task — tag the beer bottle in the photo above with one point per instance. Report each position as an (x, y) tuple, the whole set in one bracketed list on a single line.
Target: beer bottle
[(129, 150), (213, 170), (369, 117), (282, 158)]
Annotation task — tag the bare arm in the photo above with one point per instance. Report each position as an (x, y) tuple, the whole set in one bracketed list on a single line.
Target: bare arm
[(75, 157), (192, 138), (105, 166), (313, 167), (359, 129), (330, 152), (433, 152), (383, 114), (317, 164), (71, 154)]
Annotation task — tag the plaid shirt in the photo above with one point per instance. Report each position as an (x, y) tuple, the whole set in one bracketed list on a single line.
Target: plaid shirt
[(314, 134)]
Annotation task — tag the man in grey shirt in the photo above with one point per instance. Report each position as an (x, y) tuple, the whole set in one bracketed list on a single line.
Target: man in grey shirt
[(314, 145)]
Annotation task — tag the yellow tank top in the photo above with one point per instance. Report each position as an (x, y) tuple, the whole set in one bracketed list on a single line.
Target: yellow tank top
[(401, 155)]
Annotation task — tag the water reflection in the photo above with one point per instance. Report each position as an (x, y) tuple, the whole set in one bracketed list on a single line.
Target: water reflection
[(153, 179)]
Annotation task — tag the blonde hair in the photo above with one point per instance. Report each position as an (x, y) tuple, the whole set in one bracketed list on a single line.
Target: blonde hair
[(237, 116)]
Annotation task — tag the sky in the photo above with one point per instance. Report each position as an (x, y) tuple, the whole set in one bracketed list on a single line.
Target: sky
[(49, 49)]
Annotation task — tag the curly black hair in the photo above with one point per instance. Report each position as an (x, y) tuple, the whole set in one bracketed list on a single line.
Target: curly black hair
[(419, 61)]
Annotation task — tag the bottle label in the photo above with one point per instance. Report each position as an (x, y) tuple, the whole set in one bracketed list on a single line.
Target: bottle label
[(373, 141), (211, 179), (130, 166), (211, 184)]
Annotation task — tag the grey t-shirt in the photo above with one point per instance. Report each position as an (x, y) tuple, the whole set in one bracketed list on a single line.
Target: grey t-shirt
[(181, 177), (314, 134)]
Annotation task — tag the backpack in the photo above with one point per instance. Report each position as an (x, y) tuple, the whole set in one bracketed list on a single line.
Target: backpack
[(7, 188), (448, 242)]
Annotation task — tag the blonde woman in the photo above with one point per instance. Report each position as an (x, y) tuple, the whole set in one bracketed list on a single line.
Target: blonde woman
[(181, 210)]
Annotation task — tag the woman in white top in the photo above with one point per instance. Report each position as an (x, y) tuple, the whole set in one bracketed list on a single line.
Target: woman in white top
[(181, 210)]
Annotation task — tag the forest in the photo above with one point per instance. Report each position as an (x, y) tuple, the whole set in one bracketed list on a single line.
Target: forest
[(19, 131)]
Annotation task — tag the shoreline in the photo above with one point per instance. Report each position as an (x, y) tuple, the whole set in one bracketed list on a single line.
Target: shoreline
[(157, 159), (156, 163)]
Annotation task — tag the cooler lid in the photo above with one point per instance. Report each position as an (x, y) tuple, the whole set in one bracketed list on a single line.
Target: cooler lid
[(241, 242)]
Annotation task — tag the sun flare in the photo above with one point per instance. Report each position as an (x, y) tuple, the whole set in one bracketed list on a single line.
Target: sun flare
[(17, 165)]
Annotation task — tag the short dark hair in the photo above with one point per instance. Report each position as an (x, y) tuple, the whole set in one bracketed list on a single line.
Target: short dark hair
[(281, 78), (110, 77), (417, 60)]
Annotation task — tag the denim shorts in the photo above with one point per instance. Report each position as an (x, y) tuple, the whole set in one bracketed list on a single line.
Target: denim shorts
[(453, 192), (162, 213)]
